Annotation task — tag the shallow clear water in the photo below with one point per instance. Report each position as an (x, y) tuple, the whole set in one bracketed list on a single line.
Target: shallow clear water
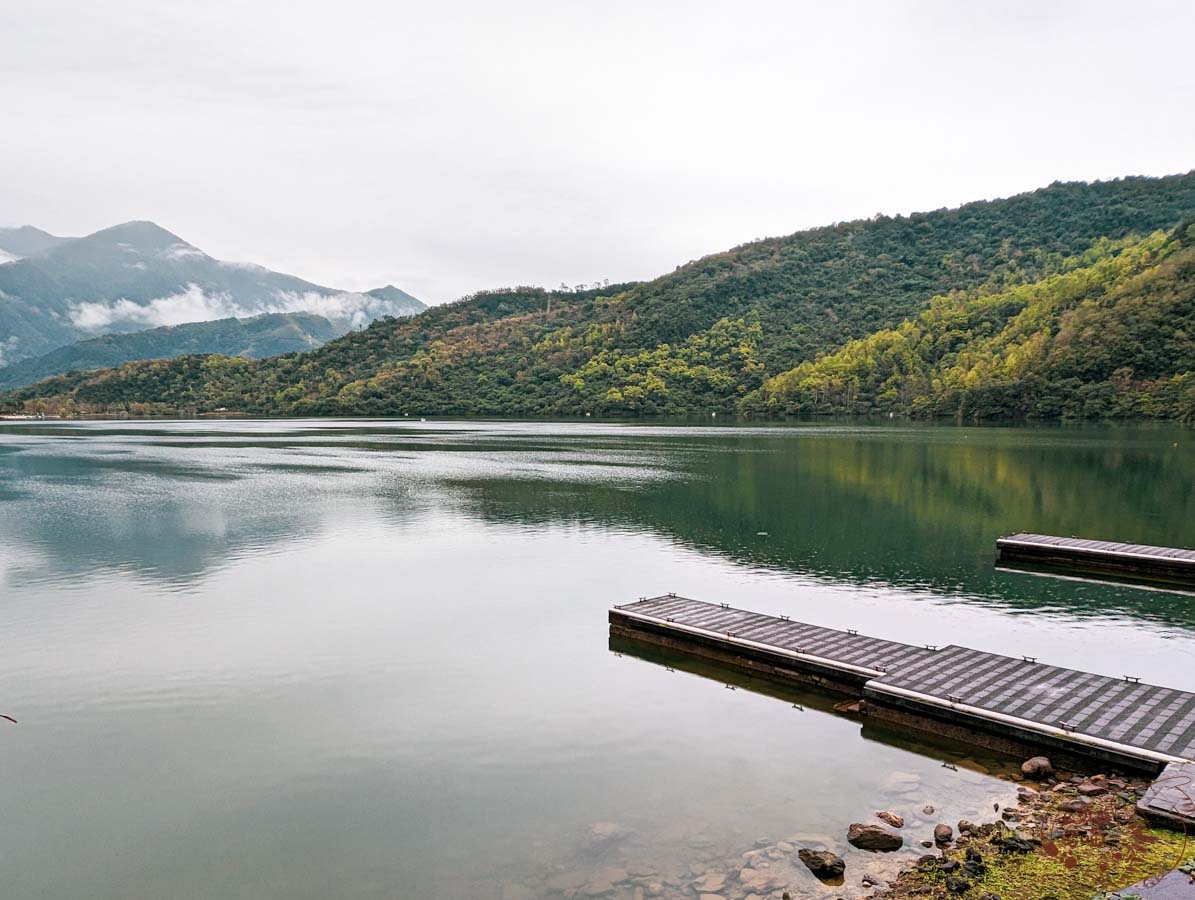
[(307, 659)]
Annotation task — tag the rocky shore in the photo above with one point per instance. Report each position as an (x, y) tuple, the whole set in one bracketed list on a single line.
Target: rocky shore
[(1069, 837), (1047, 836)]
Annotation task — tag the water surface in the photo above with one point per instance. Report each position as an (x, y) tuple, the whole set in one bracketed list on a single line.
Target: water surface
[(363, 659)]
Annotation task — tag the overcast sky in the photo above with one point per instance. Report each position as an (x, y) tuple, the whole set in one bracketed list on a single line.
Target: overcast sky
[(449, 147)]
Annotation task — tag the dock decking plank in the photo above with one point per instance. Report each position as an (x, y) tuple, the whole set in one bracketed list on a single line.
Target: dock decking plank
[(1081, 548), (1108, 709), (784, 634)]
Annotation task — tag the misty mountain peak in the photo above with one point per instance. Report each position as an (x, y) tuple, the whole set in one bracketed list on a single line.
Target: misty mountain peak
[(391, 294), (144, 236)]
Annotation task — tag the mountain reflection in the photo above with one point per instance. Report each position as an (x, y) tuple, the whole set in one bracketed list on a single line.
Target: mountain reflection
[(916, 507)]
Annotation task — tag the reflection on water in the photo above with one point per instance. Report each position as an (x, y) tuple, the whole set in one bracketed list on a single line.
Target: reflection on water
[(369, 659)]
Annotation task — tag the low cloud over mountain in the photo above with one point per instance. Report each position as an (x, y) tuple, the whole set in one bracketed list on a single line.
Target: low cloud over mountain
[(194, 304), (55, 291)]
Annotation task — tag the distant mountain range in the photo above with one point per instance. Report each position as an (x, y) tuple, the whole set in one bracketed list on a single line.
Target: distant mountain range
[(55, 290)]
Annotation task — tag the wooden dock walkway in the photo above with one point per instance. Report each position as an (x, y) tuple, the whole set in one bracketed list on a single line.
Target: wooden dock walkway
[(847, 654), (1134, 560), (999, 701)]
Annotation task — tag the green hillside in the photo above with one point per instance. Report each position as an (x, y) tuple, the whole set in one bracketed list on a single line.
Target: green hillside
[(1113, 336), (256, 337), (706, 337)]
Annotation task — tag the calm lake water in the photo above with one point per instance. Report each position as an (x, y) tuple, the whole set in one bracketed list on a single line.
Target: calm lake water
[(366, 659)]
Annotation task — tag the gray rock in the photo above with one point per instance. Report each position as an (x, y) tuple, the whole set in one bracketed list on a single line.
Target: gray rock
[(873, 837), (1015, 845), (822, 863)]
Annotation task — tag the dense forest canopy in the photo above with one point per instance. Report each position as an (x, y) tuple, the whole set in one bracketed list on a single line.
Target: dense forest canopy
[(1103, 267), (1114, 336)]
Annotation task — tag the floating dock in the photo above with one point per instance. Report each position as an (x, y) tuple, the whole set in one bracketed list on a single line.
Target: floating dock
[(1171, 564), (1002, 702)]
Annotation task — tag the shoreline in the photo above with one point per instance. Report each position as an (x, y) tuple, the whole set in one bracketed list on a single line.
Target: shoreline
[(1064, 836), (1069, 836)]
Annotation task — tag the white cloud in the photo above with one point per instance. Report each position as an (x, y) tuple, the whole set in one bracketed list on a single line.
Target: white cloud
[(193, 304), (7, 347), (182, 251)]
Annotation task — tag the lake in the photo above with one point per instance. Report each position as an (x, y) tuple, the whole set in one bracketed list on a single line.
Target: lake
[(367, 659)]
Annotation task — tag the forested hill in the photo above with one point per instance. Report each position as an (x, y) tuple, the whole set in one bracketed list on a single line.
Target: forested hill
[(257, 336), (1112, 337), (705, 337)]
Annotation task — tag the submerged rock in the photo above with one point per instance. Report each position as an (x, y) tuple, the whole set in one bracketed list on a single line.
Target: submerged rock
[(760, 881), (873, 837), (822, 863), (605, 834), (603, 881), (710, 883), (891, 818)]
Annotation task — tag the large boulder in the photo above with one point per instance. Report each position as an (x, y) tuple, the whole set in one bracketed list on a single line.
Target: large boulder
[(822, 863), (1037, 768), (873, 837)]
